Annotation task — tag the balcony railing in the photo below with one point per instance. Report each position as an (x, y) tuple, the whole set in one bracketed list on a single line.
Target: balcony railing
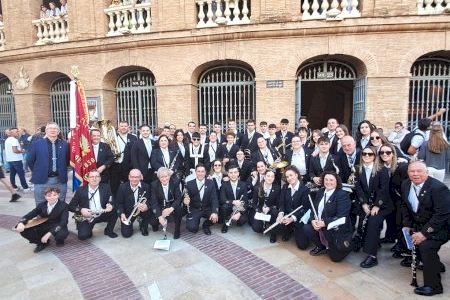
[(212, 13), (52, 30), (330, 9), (432, 7), (2, 36), (129, 19)]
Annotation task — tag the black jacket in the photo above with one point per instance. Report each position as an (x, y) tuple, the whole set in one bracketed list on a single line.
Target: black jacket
[(377, 192), (289, 203), (140, 157), (433, 212), (81, 198), (125, 198), (158, 201), (58, 217), (316, 170), (259, 198), (227, 196), (343, 164), (252, 144), (105, 158), (190, 161), (157, 160), (222, 151), (209, 202)]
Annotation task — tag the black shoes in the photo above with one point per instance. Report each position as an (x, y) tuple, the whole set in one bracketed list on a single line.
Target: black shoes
[(59, 243), (112, 234), (15, 197), (369, 262), (387, 240), (273, 238), (397, 255), (318, 251), (40, 247), (206, 230), (176, 235), (144, 230), (406, 262), (224, 228), (286, 237), (427, 291), (155, 228)]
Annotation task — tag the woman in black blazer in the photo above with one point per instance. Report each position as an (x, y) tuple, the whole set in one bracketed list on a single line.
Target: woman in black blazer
[(371, 189), (265, 200), (331, 204)]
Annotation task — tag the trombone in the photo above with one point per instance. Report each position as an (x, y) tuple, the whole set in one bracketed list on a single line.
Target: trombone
[(135, 212)]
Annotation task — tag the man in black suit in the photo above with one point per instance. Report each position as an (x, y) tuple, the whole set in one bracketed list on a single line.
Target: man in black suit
[(233, 197), (166, 199), (426, 211), (192, 127), (201, 201), (245, 166), (227, 151), (249, 138), (104, 157), (93, 204), (56, 225), (121, 167), (299, 156), (141, 152), (232, 127), (217, 129), (322, 162), (273, 141), (130, 195), (196, 154), (284, 134)]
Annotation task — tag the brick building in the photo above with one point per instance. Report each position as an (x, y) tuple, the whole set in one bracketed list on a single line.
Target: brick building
[(208, 61)]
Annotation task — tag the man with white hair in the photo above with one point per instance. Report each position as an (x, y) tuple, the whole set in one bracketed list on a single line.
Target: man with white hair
[(48, 159), (425, 210)]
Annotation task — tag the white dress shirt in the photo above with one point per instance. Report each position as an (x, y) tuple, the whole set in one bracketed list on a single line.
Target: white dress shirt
[(201, 187), (50, 207), (414, 192), (95, 148), (325, 197), (298, 160)]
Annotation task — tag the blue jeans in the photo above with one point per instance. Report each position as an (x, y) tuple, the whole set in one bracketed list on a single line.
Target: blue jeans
[(39, 189), (16, 167)]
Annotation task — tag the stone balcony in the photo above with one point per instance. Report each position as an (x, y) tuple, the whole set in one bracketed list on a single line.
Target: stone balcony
[(212, 13), (433, 7), (2, 36), (52, 30), (129, 19)]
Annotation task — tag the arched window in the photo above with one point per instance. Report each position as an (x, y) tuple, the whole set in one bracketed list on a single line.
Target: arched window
[(429, 90), (136, 99), (226, 92), (60, 103)]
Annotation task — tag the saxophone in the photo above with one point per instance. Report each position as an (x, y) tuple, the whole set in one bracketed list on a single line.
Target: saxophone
[(109, 136)]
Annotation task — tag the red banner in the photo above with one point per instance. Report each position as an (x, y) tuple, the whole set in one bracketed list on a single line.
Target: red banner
[(82, 157)]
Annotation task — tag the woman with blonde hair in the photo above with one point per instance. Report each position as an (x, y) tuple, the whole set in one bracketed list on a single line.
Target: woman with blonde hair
[(435, 152)]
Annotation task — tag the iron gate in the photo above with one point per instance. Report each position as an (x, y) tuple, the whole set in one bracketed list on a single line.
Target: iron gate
[(429, 91), (60, 104), (226, 93), (7, 107), (331, 71), (136, 99)]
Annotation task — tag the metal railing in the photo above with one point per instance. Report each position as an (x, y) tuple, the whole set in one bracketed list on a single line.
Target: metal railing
[(129, 19)]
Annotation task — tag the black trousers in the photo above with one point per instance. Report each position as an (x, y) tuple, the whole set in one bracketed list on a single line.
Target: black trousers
[(176, 217), (259, 226), (301, 238), (146, 218), (34, 234), (372, 236), (394, 220), (193, 219), (334, 253), (428, 252), (225, 212), (115, 178), (85, 228)]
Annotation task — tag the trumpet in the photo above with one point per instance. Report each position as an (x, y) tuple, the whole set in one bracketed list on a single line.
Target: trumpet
[(135, 212), (236, 209), (94, 214)]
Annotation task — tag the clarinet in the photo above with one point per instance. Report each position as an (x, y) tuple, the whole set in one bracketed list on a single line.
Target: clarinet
[(414, 266)]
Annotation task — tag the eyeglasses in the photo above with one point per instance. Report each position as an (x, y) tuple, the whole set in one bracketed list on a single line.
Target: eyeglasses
[(195, 139), (94, 176), (368, 154), (385, 152), (375, 138)]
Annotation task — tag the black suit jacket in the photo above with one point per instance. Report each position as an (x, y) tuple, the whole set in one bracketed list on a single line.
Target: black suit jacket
[(433, 212), (209, 203), (222, 152), (245, 170), (81, 198), (289, 203), (221, 138), (157, 160), (140, 157), (272, 201), (227, 196), (338, 205), (190, 161), (377, 192), (315, 169), (258, 156), (126, 162), (342, 163), (252, 144), (333, 144), (158, 201), (288, 158), (276, 141), (58, 217), (288, 137), (125, 197), (105, 158), (207, 146)]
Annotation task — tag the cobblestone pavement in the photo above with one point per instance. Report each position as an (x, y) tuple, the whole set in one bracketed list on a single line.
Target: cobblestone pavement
[(237, 265)]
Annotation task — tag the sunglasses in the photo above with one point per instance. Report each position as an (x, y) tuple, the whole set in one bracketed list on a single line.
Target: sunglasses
[(196, 139), (368, 154), (375, 138), (385, 152)]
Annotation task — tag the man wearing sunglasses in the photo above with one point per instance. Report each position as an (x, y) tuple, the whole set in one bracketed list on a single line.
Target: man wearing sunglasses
[(196, 154)]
